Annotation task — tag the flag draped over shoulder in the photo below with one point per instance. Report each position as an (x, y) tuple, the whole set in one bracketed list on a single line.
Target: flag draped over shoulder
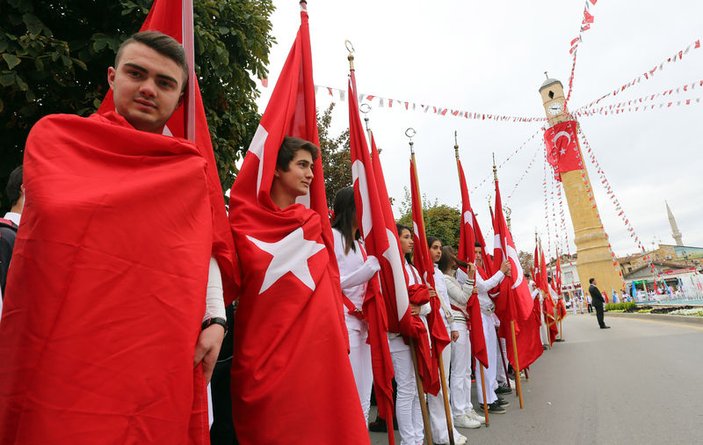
[(424, 265), (291, 375), (382, 245), (467, 253), (125, 242), (175, 18), (515, 301)]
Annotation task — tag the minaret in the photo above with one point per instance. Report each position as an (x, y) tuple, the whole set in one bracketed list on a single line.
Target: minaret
[(674, 227), (595, 258)]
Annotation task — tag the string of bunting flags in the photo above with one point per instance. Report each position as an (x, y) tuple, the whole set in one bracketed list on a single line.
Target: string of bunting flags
[(638, 108), (545, 192), (510, 157), (677, 56), (641, 100), (609, 190), (524, 173), (438, 110), (586, 23)]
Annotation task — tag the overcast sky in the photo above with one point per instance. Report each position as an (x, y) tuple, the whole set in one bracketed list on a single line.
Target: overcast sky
[(490, 57)]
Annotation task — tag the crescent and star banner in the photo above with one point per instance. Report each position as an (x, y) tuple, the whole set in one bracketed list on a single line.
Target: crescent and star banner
[(562, 148)]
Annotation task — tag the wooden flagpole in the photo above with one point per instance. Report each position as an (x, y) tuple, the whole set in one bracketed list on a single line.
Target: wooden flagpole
[(483, 389), (421, 397), (445, 396), (518, 385)]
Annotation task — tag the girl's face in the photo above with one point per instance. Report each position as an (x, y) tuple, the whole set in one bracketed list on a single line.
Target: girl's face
[(406, 241), (436, 251)]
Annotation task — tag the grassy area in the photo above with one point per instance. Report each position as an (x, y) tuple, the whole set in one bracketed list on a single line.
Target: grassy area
[(621, 307)]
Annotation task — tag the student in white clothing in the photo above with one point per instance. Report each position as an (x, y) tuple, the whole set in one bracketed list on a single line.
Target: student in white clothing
[(460, 373), (355, 271), (438, 418)]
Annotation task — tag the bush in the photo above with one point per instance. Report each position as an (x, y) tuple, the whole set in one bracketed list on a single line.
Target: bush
[(620, 307)]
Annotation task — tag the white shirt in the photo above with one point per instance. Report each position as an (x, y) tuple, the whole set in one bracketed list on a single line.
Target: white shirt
[(459, 296), (354, 274), (445, 306), (482, 288), (14, 217)]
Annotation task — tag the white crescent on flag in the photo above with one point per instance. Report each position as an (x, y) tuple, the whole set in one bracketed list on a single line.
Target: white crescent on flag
[(359, 174), (392, 254)]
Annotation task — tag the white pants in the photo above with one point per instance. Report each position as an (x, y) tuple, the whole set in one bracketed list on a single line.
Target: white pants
[(438, 418), (360, 357), (460, 380), (489, 332), (543, 330), (407, 403)]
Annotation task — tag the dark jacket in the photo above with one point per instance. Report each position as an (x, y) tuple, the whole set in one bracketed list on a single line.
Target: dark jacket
[(596, 296), (8, 233)]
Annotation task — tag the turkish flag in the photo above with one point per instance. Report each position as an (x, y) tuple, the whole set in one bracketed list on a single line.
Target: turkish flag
[(175, 18), (291, 375), (563, 152), (383, 244), (424, 265), (548, 302), (515, 302), (467, 253)]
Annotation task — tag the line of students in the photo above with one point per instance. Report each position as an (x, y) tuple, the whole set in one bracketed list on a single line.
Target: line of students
[(454, 288)]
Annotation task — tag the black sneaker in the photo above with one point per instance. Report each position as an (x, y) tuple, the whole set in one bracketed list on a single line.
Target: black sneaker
[(378, 426), (502, 402), (503, 390), (495, 408), (605, 327)]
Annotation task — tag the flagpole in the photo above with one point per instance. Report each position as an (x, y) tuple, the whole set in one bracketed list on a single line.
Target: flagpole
[(442, 374), (518, 384), (517, 364), (483, 390), (421, 397), (502, 359)]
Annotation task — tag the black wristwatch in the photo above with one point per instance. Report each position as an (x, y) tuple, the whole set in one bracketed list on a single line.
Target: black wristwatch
[(214, 320)]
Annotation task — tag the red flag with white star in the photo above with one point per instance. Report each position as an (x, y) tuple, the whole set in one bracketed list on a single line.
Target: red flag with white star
[(382, 244), (425, 266), (467, 253), (291, 375)]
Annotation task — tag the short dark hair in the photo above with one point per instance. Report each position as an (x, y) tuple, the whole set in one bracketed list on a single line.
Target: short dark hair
[(549, 279), (290, 147), (13, 189), (591, 280), (162, 44), (477, 244)]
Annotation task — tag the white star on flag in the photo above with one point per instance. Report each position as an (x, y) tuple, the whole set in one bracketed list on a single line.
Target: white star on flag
[(562, 151), (290, 254)]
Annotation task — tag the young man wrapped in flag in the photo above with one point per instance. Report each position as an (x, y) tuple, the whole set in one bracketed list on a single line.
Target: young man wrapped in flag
[(291, 375), (102, 323)]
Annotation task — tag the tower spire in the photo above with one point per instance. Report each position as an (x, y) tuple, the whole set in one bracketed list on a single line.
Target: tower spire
[(674, 227)]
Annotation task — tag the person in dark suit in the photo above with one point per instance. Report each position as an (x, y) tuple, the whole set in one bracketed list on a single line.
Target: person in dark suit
[(597, 301)]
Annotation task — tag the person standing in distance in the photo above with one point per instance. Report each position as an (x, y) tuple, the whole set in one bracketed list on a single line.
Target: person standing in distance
[(598, 302)]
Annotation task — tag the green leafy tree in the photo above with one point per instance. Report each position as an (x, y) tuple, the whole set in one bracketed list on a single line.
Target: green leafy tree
[(54, 56), (441, 220), (336, 160)]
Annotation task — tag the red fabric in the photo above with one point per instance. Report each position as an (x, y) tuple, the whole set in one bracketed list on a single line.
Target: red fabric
[(426, 367), (424, 265), (291, 376), (394, 277), (562, 148), (168, 16), (378, 241), (467, 253), (529, 343), (515, 301), (106, 292)]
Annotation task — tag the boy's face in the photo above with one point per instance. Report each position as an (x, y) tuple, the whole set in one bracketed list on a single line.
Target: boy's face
[(147, 87), (296, 181)]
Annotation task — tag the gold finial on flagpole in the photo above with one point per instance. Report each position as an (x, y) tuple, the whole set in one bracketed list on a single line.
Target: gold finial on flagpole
[(410, 134), (350, 57), (456, 145)]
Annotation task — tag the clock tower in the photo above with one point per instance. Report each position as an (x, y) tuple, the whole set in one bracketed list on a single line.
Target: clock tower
[(595, 257)]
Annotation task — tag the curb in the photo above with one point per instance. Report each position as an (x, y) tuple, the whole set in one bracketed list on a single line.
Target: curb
[(659, 317)]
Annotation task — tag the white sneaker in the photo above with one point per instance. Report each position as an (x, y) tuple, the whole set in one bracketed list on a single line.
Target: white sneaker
[(460, 440), (474, 415), (466, 422)]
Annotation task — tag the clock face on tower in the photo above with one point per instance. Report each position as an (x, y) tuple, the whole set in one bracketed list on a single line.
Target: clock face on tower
[(555, 108)]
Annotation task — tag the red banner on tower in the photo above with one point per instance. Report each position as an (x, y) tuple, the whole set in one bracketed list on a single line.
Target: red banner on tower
[(563, 152)]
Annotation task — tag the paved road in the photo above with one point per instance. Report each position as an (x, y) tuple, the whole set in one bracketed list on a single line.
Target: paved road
[(640, 382)]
